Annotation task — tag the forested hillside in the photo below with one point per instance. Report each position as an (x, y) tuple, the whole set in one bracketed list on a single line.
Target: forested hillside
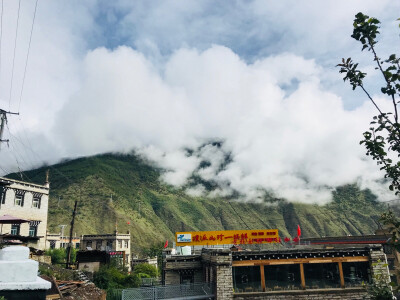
[(124, 189)]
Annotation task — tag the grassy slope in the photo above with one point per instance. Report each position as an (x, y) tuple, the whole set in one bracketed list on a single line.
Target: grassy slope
[(156, 211)]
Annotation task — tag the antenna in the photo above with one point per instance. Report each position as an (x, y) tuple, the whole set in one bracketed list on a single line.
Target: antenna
[(3, 121)]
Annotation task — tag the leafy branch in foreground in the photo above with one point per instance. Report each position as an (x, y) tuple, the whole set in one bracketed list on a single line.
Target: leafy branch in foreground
[(382, 139)]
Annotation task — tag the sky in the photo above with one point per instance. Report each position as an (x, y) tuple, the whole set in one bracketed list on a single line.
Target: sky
[(187, 82)]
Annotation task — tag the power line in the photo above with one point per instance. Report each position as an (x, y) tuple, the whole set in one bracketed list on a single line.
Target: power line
[(13, 63), (240, 217), (27, 55), (1, 32)]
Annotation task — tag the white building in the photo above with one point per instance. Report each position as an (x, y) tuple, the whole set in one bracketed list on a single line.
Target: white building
[(25, 201), (114, 242), (56, 241)]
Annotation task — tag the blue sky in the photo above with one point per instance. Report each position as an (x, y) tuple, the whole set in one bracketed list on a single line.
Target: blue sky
[(161, 76)]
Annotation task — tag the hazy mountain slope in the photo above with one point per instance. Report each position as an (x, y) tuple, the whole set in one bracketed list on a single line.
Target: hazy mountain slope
[(122, 188)]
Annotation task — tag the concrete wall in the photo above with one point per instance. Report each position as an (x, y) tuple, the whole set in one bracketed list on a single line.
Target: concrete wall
[(89, 266)]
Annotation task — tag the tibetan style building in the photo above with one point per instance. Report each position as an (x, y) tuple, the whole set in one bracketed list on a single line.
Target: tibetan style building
[(285, 274)]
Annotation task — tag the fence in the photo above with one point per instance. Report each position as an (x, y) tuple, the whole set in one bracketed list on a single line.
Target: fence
[(115, 294), (182, 291), (150, 281)]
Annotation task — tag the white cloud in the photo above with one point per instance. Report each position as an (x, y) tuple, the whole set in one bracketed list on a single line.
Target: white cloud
[(298, 145), (258, 77)]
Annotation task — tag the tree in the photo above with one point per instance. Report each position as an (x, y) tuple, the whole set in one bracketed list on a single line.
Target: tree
[(382, 139)]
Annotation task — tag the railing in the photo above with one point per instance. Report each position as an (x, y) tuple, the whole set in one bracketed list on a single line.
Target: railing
[(182, 291)]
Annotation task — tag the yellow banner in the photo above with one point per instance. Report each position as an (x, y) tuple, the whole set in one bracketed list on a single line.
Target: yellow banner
[(236, 237)]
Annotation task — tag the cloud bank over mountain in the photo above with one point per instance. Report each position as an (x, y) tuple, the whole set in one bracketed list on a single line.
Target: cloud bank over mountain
[(249, 101)]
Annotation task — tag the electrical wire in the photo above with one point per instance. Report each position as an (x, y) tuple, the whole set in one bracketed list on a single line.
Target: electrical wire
[(13, 62), (240, 217), (27, 55), (1, 31)]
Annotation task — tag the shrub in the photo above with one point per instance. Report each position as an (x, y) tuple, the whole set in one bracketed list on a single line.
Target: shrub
[(110, 277), (145, 271)]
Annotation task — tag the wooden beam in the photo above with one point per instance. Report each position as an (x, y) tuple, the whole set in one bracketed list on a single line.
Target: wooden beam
[(262, 278), (341, 274), (303, 280), (284, 261)]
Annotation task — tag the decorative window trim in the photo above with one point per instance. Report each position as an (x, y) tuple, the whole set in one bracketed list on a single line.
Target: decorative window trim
[(34, 223), (3, 193), (37, 196), (19, 193)]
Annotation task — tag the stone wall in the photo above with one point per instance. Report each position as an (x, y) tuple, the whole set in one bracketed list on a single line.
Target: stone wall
[(321, 294), (220, 263), (378, 263), (46, 259)]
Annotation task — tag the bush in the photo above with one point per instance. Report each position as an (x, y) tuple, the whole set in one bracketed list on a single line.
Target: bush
[(110, 277), (59, 256), (145, 271)]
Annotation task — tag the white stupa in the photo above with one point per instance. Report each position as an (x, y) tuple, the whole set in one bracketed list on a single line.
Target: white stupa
[(18, 272)]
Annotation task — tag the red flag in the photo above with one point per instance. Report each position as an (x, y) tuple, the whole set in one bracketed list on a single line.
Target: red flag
[(298, 231), (166, 244)]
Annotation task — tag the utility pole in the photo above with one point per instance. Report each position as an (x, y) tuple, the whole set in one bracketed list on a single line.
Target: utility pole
[(3, 122), (62, 233), (70, 234)]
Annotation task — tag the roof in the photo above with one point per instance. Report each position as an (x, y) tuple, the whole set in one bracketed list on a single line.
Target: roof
[(303, 253), (359, 239), (8, 219), (7, 181)]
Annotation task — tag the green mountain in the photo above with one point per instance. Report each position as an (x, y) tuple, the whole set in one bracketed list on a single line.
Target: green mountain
[(124, 190)]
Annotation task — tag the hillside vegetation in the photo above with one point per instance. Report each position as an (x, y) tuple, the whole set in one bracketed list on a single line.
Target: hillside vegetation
[(124, 190)]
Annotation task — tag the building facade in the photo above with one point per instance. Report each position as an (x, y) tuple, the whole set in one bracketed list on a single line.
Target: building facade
[(56, 241), (115, 242), (26, 201), (286, 274)]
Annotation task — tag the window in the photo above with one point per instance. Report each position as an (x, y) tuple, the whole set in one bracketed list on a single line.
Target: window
[(126, 243), (19, 200), (355, 273), (109, 245), (322, 275), (3, 191), (89, 244), (120, 243), (32, 230), (246, 279), (98, 245), (282, 277), (52, 244), (77, 245), (36, 202), (15, 229), (187, 278)]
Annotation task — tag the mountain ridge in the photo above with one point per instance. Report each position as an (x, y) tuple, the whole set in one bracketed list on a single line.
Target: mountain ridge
[(125, 190)]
